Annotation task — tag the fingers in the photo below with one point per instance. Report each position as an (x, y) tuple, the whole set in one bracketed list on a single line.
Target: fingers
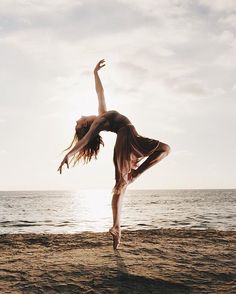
[(100, 63), (60, 169), (61, 165), (66, 161)]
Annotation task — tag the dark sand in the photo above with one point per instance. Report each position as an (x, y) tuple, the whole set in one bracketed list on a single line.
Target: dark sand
[(148, 261)]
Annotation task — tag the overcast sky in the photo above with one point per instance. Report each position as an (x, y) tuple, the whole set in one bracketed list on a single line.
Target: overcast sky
[(170, 67)]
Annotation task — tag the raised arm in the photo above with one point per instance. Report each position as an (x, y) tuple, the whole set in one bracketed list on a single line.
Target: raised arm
[(99, 88)]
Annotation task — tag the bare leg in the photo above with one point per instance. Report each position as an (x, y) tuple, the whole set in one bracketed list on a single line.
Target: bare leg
[(116, 210), (162, 151)]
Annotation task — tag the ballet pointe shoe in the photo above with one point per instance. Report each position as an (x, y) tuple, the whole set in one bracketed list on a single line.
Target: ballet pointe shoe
[(116, 234)]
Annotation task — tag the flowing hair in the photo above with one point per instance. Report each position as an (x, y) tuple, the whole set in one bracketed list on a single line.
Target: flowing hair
[(88, 151)]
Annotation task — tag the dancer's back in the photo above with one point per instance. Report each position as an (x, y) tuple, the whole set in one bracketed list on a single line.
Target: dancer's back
[(116, 120)]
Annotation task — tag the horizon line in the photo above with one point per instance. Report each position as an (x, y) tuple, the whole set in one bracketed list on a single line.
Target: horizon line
[(100, 189)]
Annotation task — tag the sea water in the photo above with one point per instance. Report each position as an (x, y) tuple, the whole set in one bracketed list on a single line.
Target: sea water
[(90, 210)]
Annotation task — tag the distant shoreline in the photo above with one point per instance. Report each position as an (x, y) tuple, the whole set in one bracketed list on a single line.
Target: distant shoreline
[(153, 260), (107, 189), (126, 231)]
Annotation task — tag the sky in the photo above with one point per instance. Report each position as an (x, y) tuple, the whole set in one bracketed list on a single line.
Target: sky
[(170, 68)]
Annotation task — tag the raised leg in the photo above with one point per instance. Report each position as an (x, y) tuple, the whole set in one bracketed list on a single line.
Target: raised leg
[(161, 152)]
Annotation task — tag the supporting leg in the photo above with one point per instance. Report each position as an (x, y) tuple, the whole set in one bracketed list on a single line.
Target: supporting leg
[(116, 210)]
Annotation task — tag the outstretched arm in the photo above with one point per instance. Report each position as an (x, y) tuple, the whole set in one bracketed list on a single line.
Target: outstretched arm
[(96, 127), (99, 88)]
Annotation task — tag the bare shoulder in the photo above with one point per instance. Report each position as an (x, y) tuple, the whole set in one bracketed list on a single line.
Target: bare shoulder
[(101, 118), (105, 115)]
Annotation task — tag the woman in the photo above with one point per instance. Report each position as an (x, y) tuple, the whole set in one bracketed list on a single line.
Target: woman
[(130, 148)]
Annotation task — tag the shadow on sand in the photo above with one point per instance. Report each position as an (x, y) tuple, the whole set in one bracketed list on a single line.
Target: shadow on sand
[(78, 278), (129, 283)]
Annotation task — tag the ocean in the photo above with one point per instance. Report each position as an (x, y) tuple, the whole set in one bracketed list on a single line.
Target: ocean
[(90, 210)]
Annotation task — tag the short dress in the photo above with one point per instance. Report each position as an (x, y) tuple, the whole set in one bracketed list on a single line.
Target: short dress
[(130, 147)]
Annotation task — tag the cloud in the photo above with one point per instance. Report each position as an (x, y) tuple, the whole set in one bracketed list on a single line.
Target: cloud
[(134, 69), (196, 88), (226, 37), (165, 59), (219, 5), (84, 19), (228, 21), (227, 59)]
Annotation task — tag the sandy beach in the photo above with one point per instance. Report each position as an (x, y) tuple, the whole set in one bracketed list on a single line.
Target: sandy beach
[(148, 261)]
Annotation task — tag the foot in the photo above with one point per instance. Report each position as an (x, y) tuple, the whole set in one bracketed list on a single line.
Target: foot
[(116, 235)]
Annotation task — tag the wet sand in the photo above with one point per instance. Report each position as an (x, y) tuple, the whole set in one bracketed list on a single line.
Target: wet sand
[(148, 261)]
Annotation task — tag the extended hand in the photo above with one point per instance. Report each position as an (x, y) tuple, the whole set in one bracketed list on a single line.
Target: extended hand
[(99, 65), (64, 161)]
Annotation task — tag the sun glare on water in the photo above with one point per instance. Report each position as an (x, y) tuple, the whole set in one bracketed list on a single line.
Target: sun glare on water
[(93, 206)]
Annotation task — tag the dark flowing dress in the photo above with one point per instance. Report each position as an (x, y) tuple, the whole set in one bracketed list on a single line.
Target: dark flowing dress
[(130, 147)]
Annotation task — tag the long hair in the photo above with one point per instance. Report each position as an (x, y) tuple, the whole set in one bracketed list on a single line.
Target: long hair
[(88, 151)]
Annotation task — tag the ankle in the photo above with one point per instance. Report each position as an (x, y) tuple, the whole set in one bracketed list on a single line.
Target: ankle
[(116, 227)]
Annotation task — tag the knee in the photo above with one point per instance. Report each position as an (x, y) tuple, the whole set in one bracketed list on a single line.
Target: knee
[(166, 148)]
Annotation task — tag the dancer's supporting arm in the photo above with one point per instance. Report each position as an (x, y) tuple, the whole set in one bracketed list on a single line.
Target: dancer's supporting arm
[(99, 88), (96, 127)]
